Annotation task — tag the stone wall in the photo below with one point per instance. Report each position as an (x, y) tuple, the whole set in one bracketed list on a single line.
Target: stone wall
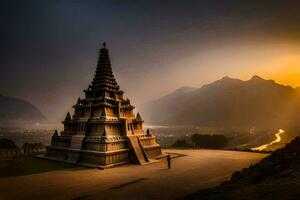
[(153, 151), (106, 158), (147, 140), (58, 153), (61, 141)]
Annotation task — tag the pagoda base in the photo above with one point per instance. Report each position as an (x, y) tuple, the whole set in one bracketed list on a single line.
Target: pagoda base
[(98, 159)]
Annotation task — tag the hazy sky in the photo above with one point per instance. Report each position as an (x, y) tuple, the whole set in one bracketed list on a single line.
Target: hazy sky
[(49, 49)]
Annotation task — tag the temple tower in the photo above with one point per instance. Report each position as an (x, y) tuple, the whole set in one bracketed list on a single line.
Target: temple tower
[(103, 131)]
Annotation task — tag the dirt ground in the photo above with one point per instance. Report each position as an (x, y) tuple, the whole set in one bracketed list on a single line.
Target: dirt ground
[(195, 170)]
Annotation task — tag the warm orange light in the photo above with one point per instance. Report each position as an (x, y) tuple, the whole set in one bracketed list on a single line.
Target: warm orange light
[(285, 70)]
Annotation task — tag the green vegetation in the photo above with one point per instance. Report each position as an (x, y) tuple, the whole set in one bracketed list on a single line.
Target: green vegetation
[(7, 144), (202, 141), (33, 145), (181, 143), (209, 141)]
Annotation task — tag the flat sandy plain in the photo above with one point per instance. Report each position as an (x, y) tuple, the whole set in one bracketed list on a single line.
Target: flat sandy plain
[(196, 170)]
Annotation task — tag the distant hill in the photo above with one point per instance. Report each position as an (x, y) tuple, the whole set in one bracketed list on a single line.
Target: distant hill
[(275, 177), (13, 110), (228, 103)]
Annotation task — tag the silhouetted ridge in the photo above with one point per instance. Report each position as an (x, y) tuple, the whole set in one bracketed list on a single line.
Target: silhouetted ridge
[(18, 110), (256, 78), (228, 102)]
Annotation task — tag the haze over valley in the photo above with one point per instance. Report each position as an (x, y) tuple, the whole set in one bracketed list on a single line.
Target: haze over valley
[(248, 112), (228, 103)]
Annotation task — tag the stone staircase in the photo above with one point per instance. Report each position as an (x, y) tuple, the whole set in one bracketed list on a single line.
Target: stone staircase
[(138, 149)]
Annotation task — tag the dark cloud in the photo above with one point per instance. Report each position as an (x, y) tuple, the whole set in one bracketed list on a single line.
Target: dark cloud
[(49, 48)]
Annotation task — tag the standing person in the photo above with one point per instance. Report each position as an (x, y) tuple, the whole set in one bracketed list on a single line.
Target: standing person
[(169, 161)]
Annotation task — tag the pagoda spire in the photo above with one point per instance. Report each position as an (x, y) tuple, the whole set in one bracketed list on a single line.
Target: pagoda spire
[(104, 78), (138, 117), (68, 117)]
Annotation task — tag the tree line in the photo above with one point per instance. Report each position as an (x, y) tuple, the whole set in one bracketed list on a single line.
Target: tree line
[(202, 141), (9, 144)]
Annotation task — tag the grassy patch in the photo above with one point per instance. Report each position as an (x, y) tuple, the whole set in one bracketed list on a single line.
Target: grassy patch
[(28, 165)]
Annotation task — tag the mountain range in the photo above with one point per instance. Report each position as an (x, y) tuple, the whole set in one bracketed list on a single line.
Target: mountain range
[(228, 102), (14, 110)]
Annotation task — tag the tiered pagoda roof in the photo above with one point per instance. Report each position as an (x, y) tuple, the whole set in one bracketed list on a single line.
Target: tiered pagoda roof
[(104, 78)]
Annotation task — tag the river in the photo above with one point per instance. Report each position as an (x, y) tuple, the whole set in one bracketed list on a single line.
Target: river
[(277, 140)]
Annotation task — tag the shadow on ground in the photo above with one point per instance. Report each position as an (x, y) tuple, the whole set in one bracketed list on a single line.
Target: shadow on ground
[(29, 165)]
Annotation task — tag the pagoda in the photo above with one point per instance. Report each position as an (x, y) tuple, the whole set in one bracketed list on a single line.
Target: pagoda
[(103, 131)]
